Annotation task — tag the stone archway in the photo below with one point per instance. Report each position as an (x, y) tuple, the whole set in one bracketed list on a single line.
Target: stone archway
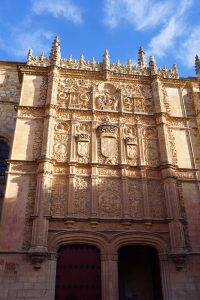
[(78, 274), (139, 273)]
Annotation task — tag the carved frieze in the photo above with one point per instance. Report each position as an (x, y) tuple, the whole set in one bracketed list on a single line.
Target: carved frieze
[(109, 198), (82, 196)]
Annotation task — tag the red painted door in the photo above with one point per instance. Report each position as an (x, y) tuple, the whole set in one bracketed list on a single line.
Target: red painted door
[(78, 275)]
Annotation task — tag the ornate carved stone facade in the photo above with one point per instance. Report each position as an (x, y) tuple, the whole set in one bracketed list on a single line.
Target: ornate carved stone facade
[(104, 154)]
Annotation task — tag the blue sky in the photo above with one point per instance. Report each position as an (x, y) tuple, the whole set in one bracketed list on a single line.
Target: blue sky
[(167, 29)]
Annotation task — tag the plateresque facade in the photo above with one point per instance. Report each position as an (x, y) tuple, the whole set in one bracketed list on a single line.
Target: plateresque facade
[(104, 155)]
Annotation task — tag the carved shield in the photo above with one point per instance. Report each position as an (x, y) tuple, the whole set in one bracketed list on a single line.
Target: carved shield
[(83, 148), (132, 151), (108, 146)]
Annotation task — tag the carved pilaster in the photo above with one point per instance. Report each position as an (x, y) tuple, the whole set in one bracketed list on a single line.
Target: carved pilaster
[(146, 204), (94, 143), (38, 250), (71, 182), (122, 145), (125, 204), (73, 143), (176, 229), (109, 271), (140, 145), (94, 204), (162, 128)]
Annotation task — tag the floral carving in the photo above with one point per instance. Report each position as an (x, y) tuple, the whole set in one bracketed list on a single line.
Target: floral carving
[(172, 147), (109, 200), (43, 90), (59, 196), (82, 196), (156, 196), (135, 198)]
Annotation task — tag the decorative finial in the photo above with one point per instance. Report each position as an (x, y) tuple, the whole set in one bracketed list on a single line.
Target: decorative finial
[(197, 65), (81, 58), (30, 56), (55, 52), (106, 60), (141, 58), (175, 69), (152, 65)]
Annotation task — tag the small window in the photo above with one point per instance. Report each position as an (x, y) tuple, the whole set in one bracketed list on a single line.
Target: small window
[(4, 152)]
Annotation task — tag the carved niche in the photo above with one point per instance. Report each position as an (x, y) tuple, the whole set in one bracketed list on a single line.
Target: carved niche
[(83, 142), (151, 149), (131, 144), (75, 93), (107, 97), (108, 144), (61, 141), (109, 197)]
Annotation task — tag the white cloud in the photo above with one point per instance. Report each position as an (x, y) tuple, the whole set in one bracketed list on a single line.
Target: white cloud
[(174, 28), (38, 41), (190, 48), (58, 8), (142, 14)]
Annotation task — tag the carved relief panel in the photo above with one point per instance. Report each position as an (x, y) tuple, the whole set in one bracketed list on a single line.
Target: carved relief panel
[(82, 196), (83, 131), (156, 197), (61, 141), (137, 98), (108, 144), (151, 149), (59, 196), (109, 197), (135, 198), (107, 97), (75, 93)]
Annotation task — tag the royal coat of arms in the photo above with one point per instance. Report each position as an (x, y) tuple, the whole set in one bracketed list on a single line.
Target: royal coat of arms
[(83, 145)]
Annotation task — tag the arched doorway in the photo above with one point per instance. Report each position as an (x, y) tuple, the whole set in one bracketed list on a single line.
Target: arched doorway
[(78, 274), (139, 273)]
